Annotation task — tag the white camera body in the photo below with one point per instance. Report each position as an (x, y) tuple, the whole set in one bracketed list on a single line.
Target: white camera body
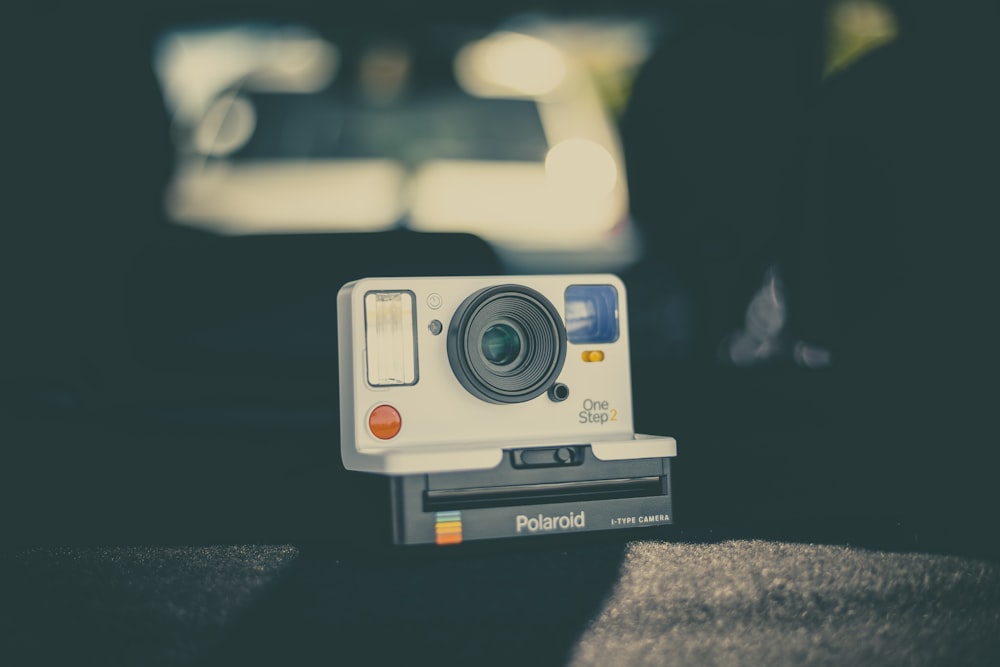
[(445, 374)]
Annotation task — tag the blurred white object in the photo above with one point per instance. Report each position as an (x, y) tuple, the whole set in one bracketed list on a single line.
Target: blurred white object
[(566, 211), (763, 337)]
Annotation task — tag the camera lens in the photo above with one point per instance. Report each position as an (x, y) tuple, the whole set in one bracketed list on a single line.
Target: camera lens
[(501, 344), (506, 344)]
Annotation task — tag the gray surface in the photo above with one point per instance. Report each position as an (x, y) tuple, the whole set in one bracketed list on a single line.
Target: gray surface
[(767, 603), (590, 603)]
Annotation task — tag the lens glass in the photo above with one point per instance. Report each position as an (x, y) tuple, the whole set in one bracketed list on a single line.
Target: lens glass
[(501, 344)]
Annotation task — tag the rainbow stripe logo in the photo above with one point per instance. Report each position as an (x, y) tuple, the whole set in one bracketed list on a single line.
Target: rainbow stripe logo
[(448, 527)]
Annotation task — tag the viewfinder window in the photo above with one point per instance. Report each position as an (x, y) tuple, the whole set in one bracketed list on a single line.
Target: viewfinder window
[(592, 313)]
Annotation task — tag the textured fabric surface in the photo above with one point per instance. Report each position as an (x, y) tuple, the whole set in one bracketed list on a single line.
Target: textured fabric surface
[(768, 603), (129, 605), (734, 602)]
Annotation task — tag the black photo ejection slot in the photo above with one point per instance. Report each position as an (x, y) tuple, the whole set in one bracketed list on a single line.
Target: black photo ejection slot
[(535, 494)]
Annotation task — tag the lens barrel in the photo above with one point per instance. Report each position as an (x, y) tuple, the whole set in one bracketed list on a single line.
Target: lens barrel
[(506, 344)]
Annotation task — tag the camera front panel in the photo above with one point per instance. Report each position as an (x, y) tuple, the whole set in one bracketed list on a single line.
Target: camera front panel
[(455, 363)]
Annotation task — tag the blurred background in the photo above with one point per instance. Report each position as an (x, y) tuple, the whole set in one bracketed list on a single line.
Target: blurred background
[(797, 194)]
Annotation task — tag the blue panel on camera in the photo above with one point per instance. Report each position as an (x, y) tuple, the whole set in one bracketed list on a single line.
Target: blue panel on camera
[(592, 313)]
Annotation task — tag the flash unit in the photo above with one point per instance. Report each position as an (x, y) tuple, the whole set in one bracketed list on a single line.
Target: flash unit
[(390, 339)]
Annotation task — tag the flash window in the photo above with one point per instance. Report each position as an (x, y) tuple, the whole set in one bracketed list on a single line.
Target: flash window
[(390, 338)]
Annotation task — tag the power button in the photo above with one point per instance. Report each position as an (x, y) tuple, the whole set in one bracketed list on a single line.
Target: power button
[(434, 301)]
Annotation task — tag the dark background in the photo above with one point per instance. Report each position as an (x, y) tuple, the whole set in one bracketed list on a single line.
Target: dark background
[(873, 188), (168, 397)]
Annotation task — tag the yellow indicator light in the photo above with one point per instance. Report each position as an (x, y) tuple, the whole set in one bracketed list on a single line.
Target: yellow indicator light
[(593, 355)]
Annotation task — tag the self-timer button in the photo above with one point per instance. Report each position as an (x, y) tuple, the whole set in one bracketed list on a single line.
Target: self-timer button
[(384, 422)]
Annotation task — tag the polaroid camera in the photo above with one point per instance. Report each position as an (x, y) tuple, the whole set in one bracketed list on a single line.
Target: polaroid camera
[(497, 406)]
